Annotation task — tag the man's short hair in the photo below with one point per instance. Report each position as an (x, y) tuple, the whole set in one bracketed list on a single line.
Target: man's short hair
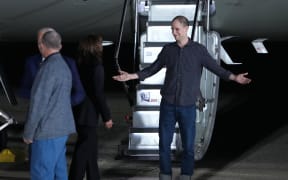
[(182, 19), (51, 39)]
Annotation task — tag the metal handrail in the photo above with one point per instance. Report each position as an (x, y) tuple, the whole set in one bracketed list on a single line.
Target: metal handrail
[(195, 20), (116, 56)]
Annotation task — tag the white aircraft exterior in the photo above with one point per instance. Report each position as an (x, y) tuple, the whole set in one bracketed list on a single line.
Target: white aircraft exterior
[(19, 20)]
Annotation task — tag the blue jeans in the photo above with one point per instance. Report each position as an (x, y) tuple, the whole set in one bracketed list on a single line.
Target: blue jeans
[(48, 159), (185, 116)]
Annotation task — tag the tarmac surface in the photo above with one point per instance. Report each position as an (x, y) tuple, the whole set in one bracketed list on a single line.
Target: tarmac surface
[(250, 142)]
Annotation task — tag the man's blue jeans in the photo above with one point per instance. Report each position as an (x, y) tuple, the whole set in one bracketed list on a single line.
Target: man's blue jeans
[(48, 159), (185, 116)]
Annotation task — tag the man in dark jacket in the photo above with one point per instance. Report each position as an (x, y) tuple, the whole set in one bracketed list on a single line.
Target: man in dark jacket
[(32, 65)]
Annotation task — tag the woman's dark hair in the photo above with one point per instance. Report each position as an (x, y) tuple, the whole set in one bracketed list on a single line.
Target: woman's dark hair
[(90, 49)]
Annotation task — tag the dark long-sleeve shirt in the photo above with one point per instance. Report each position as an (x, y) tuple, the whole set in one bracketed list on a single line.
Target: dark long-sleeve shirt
[(183, 71)]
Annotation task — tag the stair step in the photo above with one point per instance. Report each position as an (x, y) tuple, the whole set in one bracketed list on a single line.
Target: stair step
[(161, 32), (146, 118), (148, 95), (148, 140), (167, 11), (151, 51), (157, 78)]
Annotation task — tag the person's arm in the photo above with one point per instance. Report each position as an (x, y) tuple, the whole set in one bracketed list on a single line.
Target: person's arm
[(42, 89), (211, 64), (124, 76), (99, 98), (77, 91), (240, 78)]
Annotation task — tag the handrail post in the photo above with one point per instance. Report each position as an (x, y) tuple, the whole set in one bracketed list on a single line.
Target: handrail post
[(195, 20), (116, 56)]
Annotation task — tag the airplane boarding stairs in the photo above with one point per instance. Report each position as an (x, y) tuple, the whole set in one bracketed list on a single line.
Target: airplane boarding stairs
[(143, 138)]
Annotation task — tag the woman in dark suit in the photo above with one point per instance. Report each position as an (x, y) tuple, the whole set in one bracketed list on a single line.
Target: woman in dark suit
[(91, 72)]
